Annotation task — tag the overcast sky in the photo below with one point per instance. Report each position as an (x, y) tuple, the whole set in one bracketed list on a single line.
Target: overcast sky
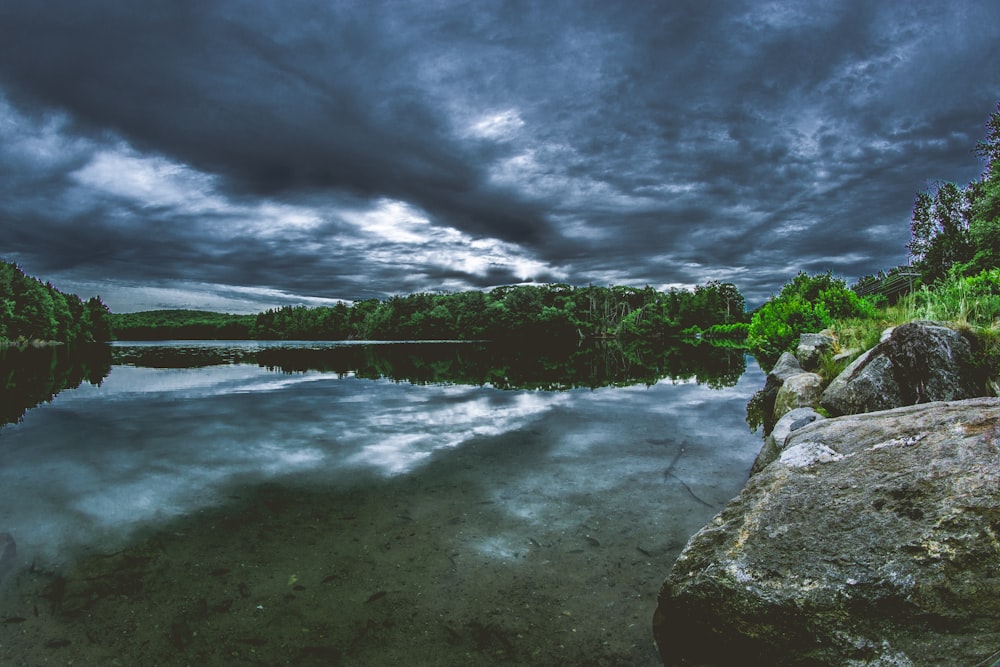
[(242, 155)]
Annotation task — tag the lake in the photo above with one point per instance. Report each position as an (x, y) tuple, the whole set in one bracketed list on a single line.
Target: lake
[(306, 503)]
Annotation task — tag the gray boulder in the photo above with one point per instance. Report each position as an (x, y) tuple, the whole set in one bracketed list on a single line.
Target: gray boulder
[(774, 443), (786, 366), (798, 391), (811, 348), (871, 540), (915, 363)]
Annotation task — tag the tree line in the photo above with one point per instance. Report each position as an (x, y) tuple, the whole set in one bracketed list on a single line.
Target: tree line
[(553, 311), (181, 325), (32, 311)]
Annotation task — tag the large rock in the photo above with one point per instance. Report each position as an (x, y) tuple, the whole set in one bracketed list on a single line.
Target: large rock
[(774, 442), (811, 348), (916, 363), (786, 367), (873, 539), (798, 391)]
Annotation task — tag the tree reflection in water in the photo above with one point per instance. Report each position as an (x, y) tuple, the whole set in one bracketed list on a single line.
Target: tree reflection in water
[(502, 365), (30, 376)]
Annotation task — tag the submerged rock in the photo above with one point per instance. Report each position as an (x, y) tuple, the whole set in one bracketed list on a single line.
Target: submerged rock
[(8, 554), (918, 362), (872, 539)]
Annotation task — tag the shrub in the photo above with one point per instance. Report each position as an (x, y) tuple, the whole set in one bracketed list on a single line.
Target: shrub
[(805, 304), (734, 331)]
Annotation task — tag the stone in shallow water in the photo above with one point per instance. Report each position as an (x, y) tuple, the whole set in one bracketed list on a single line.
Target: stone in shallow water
[(8, 553)]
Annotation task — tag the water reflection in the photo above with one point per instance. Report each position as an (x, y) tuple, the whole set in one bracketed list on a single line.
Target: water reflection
[(152, 442), (416, 469), (33, 375), (548, 367)]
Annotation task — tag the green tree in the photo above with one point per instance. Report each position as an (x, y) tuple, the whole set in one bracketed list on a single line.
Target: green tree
[(956, 228), (940, 230), (984, 229), (99, 317), (32, 310)]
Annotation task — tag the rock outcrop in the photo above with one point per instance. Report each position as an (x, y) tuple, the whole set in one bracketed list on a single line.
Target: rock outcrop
[(787, 366), (916, 363), (872, 539)]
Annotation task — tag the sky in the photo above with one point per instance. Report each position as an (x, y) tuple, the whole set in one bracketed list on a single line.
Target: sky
[(238, 156)]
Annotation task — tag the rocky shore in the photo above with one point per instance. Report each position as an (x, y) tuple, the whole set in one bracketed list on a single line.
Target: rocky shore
[(869, 530)]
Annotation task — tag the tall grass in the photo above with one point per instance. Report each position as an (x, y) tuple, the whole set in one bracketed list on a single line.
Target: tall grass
[(972, 302), (969, 304)]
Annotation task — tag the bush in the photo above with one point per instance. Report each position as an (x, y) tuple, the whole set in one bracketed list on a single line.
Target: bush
[(734, 331), (805, 304)]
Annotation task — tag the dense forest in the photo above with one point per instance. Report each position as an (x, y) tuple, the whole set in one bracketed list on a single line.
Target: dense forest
[(33, 311), (181, 325), (555, 311)]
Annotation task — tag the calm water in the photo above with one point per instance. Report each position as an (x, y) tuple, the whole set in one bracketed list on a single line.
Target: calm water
[(253, 503)]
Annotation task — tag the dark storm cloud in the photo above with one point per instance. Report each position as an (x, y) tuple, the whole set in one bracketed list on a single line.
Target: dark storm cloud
[(355, 149), (332, 100)]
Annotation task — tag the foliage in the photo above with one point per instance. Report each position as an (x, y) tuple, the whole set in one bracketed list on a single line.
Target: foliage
[(537, 312), (34, 311), (805, 304), (180, 325), (734, 331), (958, 229), (964, 300), (970, 303), (940, 229)]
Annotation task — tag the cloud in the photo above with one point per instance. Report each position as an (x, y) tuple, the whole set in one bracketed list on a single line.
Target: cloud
[(347, 150)]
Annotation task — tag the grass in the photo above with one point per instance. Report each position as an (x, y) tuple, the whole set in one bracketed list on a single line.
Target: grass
[(968, 304)]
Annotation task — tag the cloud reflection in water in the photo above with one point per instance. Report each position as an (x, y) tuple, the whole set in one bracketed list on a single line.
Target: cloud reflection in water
[(154, 443)]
